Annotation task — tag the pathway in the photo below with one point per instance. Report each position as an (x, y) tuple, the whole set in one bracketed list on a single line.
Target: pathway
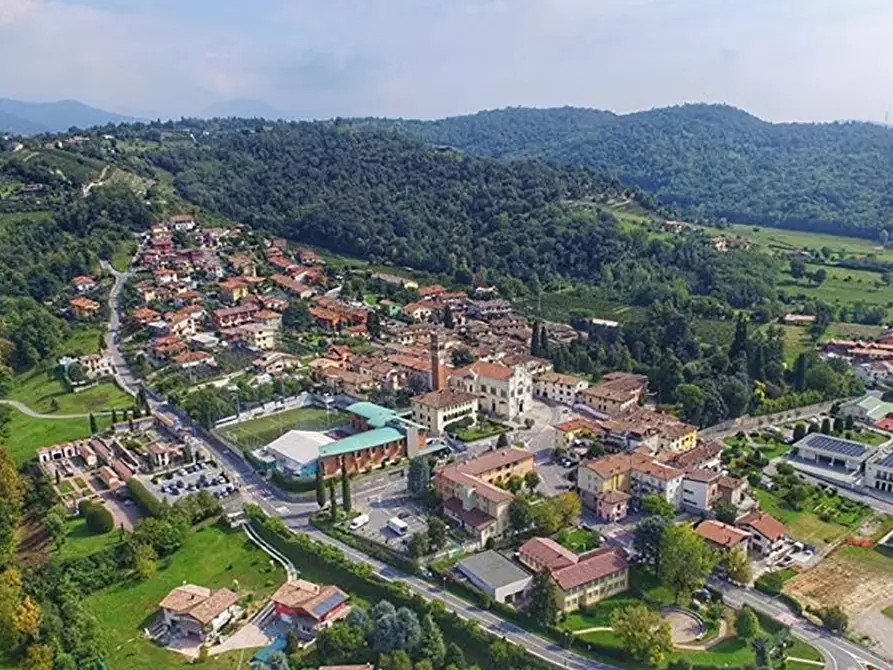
[(99, 182), (27, 411)]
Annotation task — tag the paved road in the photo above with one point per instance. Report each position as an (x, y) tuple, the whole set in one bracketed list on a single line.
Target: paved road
[(840, 654)]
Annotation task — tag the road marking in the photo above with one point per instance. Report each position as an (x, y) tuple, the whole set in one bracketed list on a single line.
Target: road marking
[(282, 509)]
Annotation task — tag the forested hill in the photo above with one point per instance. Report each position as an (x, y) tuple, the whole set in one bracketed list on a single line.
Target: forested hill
[(384, 197), (705, 160)]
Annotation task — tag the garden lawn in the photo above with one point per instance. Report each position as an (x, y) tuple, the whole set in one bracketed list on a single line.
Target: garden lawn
[(800, 649), (482, 430), (212, 556), (83, 340), (24, 435), (39, 388), (599, 615), (81, 542), (804, 525), (579, 540), (260, 432)]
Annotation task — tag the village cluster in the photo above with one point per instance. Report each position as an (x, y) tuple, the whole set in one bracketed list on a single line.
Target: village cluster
[(218, 304)]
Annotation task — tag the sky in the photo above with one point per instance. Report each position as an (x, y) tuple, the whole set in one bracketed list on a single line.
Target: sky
[(784, 60)]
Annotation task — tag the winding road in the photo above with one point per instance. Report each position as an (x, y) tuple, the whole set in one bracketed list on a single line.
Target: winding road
[(839, 654)]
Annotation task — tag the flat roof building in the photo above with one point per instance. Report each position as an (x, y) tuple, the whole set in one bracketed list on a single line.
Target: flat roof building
[(833, 452), (495, 575)]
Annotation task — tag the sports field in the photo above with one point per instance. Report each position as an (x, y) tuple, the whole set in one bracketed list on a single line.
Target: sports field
[(259, 432)]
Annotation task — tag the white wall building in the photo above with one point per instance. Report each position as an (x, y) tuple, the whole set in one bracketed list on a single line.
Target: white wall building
[(437, 409), (501, 390), (559, 387)]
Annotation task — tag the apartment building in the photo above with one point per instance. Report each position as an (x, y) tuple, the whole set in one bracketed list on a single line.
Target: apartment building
[(634, 474), (879, 473), (618, 393), (438, 409), (559, 387)]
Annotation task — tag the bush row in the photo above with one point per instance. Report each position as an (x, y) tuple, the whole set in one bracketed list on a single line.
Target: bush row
[(147, 502)]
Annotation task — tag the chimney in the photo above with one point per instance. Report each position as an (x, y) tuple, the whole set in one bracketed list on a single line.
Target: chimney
[(437, 381)]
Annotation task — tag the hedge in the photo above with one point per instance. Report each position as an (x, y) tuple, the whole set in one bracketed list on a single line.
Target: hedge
[(292, 485), (99, 520), (144, 498)]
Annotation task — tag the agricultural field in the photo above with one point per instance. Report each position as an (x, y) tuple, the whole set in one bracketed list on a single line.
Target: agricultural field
[(260, 432), (843, 286), (212, 556), (860, 581), (778, 239)]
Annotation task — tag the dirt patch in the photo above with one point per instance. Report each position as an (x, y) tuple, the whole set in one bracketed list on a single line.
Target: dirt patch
[(684, 626)]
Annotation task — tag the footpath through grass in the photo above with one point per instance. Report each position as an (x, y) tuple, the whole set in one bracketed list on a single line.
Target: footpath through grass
[(42, 392), (23, 435), (212, 556), (259, 432)]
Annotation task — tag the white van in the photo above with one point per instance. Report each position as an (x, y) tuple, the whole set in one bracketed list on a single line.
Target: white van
[(399, 526), (359, 521)]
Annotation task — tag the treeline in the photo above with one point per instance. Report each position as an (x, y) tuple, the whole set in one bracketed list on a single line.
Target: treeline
[(707, 161)]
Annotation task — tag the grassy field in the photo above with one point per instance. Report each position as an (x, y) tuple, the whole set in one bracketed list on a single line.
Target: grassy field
[(579, 540), (123, 254), (24, 435), (211, 557), (259, 432), (796, 342), (777, 239), (81, 542), (38, 389), (851, 331), (804, 525), (842, 286), (82, 341)]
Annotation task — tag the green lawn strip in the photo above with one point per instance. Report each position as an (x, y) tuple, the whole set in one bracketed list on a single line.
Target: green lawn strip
[(801, 649), (212, 557), (65, 487), (123, 254), (82, 340), (484, 429), (39, 388), (599, 615), (579, 540), (789, 240), (24, 435), (259, 432), (81, 542)]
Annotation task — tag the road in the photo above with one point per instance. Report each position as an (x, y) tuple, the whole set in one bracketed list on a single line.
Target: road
[(839, 654)]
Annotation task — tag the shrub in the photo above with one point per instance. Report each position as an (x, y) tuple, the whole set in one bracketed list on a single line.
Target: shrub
[(99, 519), (144, 498)]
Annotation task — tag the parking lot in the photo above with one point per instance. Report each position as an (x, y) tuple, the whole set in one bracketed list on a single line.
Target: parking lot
[(381, 510), (190, 479)]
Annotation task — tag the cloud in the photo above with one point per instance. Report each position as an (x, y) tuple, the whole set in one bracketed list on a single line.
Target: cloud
[(797, 59)]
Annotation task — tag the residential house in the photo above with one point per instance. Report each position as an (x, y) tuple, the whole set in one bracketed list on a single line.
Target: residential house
[(438, 409), (767, 534), (618, 393), (182, 222), (197, 611), (293, 286), (798, 319), (230, 317), (96, 366), (559, 387), (470, 495), (233, 290), (275, 362), (194, 359), (635, 474), (83, 284), (700, 490), (867, 409), (732, 490), (722, 536), (705, 456), (165, 276), (84, 307), (309, 608)]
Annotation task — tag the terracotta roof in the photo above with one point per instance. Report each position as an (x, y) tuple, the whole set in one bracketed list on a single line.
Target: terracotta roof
[(311, 599), (696, 457), (201, 603), (703, 476), (614, 497), (547, 552), (492, 460), (193, 357), (600, 563), (721, 533), (559, 378), (444, 398), (765, 524), (85, 304), (580, 424), (474, 517)]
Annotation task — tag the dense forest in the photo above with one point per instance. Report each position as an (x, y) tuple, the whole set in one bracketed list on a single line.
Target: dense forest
[(389, 199), (706, 161)]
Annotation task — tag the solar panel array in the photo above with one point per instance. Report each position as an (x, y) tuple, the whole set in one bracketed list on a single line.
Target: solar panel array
[(836, 446), (886, 462), (328, 604)]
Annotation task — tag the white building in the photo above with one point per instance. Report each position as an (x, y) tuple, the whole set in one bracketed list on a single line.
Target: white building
[(767, 534), (876, 372), (559, 387), (497, 576), (501, 390), (296, 451), (437, 409), (879, 473), (700, 489), (833, 452)]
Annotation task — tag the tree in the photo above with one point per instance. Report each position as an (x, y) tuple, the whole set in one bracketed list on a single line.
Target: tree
[(656, 504), (432, 646), (384, 626), (98, 519), (826, 426), (142, 400), (739, 341), (340, 643), (644, 634), (819, 276), (145, 561), (320, 486), (801, 365), (409, 630), (373, 325), (746, 624), (448, 318), (680, 664), (514, 484), (28, 617), (333, 501), (292, 642), (520, 517), (726, 512), (94, 428), (12, 493), (532, 480), (502, 441), (838, 425), (437, 533), (799, 432), (39, 657), (345, 488), (418, 545), (278, 661), (648, 538), (114, 416), (55, 523), (834, 619), (685, 560), (796, 496), (400, 660), (692, 398), (419, 476), (848, 422), (798, 268), (568, 507), (739, 566), (461, 356), (544, 599), (455, 656)]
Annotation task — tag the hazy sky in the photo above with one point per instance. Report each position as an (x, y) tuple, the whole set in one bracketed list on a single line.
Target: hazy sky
[(781, 59)]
